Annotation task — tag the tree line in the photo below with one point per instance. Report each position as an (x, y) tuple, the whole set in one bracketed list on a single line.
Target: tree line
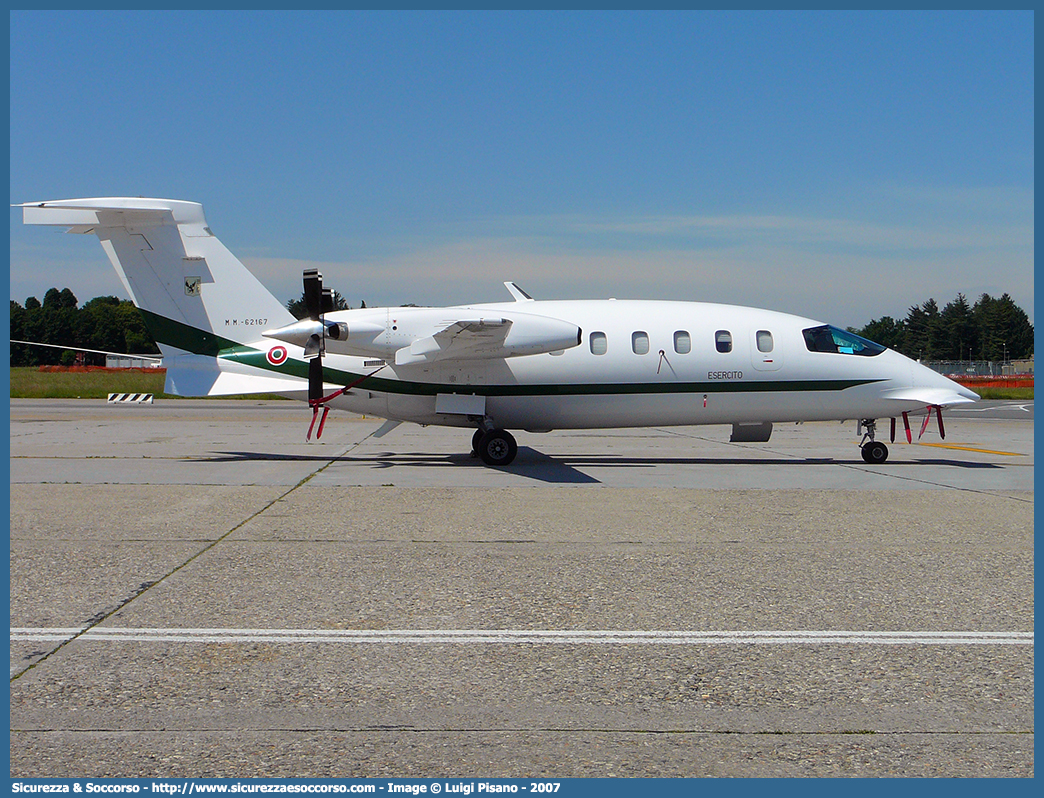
[(105, 323), (991, 329)]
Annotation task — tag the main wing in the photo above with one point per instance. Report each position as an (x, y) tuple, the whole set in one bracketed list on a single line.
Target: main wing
[(427, 335), (470, 337), (463, 339)]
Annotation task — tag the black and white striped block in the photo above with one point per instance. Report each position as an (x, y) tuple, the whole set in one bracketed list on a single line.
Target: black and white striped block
[(130, 398)]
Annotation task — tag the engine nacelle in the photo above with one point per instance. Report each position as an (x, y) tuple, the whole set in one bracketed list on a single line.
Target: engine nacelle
[(338, 330), (408, 336), (300, 332), (535, 335)]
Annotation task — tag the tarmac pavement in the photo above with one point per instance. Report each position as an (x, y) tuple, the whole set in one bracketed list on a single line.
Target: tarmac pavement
[(197, 591)]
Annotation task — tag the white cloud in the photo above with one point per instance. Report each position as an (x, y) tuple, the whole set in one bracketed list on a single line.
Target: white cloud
[(843, 270), (902, 247)]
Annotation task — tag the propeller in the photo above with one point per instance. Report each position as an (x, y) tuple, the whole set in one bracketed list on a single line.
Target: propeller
[(318, 300)]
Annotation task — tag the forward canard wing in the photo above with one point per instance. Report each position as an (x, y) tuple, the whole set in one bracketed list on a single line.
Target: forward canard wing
[(934, 397)]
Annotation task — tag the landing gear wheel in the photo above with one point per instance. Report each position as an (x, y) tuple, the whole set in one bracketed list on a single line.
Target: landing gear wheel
[(875, 452), (497, 448), (476, 439)]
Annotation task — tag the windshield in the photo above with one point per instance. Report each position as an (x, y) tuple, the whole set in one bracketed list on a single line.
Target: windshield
[(833, 339)]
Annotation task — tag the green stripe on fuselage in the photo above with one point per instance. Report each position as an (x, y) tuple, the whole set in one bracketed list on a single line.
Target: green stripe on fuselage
[(199, 342), (299, 368)]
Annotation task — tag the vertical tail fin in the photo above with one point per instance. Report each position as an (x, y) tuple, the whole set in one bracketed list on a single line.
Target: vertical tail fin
[(191, 289), (195, 295)]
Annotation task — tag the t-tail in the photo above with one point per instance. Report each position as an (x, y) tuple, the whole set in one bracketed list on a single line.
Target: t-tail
[(203, 307)]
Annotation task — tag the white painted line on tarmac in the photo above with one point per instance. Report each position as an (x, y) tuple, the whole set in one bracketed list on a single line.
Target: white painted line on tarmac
[(517, 636)]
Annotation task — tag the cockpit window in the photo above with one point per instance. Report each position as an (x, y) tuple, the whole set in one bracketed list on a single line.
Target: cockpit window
[(833, 339)]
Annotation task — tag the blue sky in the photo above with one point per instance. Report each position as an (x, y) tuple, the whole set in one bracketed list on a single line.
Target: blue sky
[(838, 165)]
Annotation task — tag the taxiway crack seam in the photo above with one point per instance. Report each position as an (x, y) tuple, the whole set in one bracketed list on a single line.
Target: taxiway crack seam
[(145, 587)]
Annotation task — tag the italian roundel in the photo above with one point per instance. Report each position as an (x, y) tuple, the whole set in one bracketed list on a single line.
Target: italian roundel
[(277, 355)]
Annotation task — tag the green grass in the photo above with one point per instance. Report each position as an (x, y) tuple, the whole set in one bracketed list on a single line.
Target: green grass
[(1004, 393), (31, 383)]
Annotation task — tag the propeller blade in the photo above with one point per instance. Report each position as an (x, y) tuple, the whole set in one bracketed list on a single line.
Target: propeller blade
[(938, 414), (906, 423), (892, 435), (328, 301), (313, 293), (315, 380)]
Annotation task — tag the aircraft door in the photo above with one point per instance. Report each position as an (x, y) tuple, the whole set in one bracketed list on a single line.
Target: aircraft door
[(765, 351)]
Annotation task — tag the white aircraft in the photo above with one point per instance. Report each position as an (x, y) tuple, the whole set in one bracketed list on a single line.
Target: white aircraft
[(526, 364)]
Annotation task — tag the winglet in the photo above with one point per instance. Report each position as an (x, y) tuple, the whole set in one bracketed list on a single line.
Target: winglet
[(517, 293)]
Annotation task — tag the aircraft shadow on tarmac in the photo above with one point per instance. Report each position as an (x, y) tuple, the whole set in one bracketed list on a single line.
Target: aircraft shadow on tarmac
[(564, 469)]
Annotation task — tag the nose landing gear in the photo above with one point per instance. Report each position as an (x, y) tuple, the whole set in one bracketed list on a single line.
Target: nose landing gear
[(873, 451)]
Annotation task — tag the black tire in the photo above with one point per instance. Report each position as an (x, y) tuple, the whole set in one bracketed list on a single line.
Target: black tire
[(875, 453), (497, 448), (476, 439)]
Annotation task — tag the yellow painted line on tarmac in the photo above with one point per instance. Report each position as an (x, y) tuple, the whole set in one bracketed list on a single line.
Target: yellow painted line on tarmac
[(969, 449)]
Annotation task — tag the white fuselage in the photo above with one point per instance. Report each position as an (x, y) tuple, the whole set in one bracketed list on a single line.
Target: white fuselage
[(664, 363), (532, 365)]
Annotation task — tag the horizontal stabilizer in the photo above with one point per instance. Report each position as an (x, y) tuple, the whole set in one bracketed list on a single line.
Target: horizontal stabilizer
[(113, 212)]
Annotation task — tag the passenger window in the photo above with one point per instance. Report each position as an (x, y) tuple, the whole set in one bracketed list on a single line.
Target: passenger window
[(640, 343), (682, 342), (598, 343), (764, 341), (723, 341)]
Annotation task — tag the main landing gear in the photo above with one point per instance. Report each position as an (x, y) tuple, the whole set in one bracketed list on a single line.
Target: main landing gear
[(874, 452), (496, 447)]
